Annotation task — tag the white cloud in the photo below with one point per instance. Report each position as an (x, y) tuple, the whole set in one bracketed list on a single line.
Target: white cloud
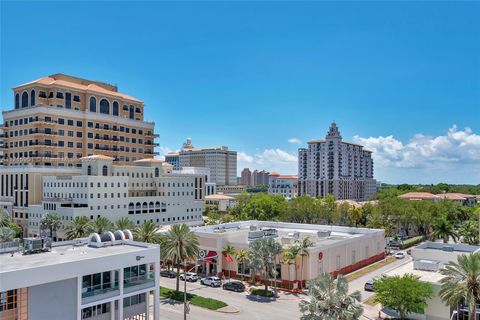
[(443, 157), (269, 160), (294, 141)]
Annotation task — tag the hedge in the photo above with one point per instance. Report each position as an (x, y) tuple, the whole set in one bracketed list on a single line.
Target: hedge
[(195, 300), (261, 292), (411, 242)]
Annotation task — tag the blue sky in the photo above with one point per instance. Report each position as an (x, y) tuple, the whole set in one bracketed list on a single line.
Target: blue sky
[(401, 77)]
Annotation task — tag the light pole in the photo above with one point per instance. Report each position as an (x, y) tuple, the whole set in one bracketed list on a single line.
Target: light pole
[(185, 287)]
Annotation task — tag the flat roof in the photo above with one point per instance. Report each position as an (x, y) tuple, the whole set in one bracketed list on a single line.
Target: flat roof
[(237, 232), (427, 276), (452, 247), (62, 253)]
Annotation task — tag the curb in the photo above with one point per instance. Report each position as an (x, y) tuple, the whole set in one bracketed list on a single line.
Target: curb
[(228, 309)]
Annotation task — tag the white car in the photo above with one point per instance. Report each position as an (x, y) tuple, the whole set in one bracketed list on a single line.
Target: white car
[(211, 281), (190, 276), (399, 255)]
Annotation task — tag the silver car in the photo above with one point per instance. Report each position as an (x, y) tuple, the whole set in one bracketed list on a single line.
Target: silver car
[(211, 281)]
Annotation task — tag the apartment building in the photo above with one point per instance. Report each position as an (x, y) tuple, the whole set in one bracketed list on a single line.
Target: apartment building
[(21, 186), (107, 276), (246, 177), (210, 187), (59, 119), (173, 159), (336, 249), (260, 177), (221, 162), (284, 185), (333, 166), (147, 191), (2, 148)]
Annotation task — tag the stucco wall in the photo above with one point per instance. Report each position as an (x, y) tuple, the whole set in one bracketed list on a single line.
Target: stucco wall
[(55, 300)]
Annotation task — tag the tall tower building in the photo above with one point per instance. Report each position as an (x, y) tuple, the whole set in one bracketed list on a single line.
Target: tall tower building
[(221, 162), (336, 167), (59, 119), (246, 178)]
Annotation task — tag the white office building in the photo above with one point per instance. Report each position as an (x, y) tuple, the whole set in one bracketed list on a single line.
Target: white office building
[(107, 276), (333, 166), (147, 191), (221, 162), (283, 185)]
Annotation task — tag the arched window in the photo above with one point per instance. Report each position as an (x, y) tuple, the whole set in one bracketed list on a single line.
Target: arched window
[(104, 106), (105, 171), (32, 98), (132, 112), (17, 101), (115, 108), (157, 172), (137, 110), (24, 100), (89, 170), (93, 104)]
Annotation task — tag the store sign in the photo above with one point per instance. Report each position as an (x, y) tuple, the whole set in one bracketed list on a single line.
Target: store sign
[(265, 233)]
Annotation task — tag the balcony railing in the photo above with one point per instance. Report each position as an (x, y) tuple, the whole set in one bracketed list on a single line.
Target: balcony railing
[(138, 280), (98, 289)]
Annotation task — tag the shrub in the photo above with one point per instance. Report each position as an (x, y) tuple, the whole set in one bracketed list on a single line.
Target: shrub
[(411, 242), (261, 292), (195, 300)]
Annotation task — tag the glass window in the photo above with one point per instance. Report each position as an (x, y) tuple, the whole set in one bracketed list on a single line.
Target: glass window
[(24, 100), (115, 108), (104, 106), (17, 101), (76, 98), (68, 100), (32, 98), (132, 112), (93, 104)]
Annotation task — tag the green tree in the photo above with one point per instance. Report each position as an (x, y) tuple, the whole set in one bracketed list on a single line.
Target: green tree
[(469, 232), (443, 229), (229, 251), (329, 300), (80, 227), (101, 225), (355, 214), (303, 246), (124, 223), (263, 254), (404, 294), (6, 234), (179, 243), (242, 257), (147, 232), (462, 282), (51, 221), (288, 259)]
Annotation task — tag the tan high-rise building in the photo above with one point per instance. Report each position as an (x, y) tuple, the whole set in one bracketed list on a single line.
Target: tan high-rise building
[(59, 119), (246, 178)]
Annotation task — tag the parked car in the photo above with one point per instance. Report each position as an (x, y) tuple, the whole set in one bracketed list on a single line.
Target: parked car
[(168, 273), (190, 276), (399, 255), (369, 285), (211, 281), (236, 286)]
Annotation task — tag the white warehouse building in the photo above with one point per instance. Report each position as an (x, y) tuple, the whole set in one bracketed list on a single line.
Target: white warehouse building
[(147, 191)]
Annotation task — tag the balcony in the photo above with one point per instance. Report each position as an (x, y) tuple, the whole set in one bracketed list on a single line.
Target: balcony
[(139, 282)]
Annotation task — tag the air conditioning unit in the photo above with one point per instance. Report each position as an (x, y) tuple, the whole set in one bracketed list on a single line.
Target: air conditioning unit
[(324, 233), (426, 265)]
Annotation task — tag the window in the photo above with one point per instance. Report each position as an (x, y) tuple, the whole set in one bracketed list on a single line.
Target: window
[(17, 101), (68, 100), (79, 123), (93, 104), (132, 112), (76, 98), (104, 106), (89, 170), (70, 122), (32, 98), (115, 108), (105, 171), (61, 121), (24, 100), (137, 110)]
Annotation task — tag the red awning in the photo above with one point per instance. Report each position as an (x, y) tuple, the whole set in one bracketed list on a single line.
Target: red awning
[(209, 257), (228, 258)]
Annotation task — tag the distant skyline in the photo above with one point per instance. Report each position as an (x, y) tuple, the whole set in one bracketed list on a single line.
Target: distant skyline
[(263, 78)]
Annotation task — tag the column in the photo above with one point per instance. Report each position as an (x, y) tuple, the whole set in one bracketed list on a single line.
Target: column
[(120, 300), (156, 292), (112, 310), (79, 298), (219, 261)]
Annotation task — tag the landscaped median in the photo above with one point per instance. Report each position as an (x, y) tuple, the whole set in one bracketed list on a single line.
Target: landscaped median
[(357, 274), (195, 300), (261, 292)]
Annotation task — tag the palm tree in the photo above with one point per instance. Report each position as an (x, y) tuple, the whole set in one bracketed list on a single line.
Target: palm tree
[(329, 300), (5, 220), (101, 225), (124, 223), (288, 259), (263, 253), (462, 282), (178, 244), (6, 234), (51, 221), (303, 252), (443, 229), (79, 228), (147, 232), (229, 251), (355, 214), (242, 257)]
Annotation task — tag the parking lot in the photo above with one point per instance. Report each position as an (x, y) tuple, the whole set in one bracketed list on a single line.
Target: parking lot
[(285, 307)]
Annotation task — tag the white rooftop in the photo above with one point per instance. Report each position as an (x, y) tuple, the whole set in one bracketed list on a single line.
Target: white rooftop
[(433, 277)]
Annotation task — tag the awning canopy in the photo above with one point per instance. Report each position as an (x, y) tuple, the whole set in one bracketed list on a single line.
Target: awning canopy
[(228, 258), (208, 256)]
